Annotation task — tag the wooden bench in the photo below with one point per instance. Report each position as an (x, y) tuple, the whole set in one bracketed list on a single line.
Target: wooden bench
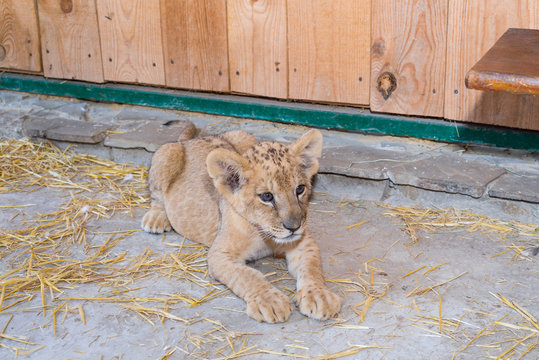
[(511, 65)]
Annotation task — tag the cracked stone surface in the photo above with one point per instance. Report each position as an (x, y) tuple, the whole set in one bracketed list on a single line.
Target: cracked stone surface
[(11, 124), (76, 110), (65, 130), (7, 97), (137, 113), (149, 136), (448, 174), (523, 187), (452, 174), (361, 161)]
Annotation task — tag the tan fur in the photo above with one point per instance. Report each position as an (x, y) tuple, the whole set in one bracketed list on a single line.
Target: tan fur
[(209, 189)]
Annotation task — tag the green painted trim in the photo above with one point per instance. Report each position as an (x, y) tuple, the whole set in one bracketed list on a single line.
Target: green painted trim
[(313, 115)]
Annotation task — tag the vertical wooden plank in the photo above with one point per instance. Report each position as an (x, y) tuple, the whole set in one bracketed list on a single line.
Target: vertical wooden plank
[(408, 56), (474, 26), (329, 50), (19, 39), (195, 44), (131, 41), (70, 39), (257, 47)]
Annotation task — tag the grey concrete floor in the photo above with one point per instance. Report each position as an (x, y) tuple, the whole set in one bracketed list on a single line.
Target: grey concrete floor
[(395, 326)]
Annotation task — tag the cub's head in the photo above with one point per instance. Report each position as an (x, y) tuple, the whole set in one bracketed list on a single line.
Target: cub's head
[(270, 184)]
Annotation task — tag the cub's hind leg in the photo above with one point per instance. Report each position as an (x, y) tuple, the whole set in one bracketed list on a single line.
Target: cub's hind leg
[(167, 165)]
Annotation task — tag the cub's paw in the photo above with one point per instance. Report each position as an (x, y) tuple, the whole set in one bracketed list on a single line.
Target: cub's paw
[(156, 222), (270, 306), (318, 302)]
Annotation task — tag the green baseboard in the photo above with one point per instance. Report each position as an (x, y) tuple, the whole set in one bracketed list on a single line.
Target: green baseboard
[(323, 116)]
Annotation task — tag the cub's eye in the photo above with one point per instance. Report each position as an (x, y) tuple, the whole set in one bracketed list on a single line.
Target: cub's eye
[(300, 189), (266, 197)]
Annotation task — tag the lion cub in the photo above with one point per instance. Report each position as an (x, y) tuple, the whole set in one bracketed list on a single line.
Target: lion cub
[(245, 200)]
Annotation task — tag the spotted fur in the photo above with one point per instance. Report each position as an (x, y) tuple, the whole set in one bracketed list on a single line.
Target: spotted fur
[(226, 206)]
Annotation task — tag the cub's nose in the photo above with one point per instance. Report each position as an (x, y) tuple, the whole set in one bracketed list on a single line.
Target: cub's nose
[(292, 224)]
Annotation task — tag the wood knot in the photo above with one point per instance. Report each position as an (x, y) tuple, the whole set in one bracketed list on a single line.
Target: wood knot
[(379, 48), (3, 53), (386, 84), (66, 6)]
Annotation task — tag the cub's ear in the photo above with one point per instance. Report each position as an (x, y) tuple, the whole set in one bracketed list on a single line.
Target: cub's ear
[(308, 149), (227, 169)]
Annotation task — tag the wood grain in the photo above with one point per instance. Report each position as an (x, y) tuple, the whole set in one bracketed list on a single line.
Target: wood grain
[(70, 40), (409, 42), (19, 39), (195, 44), (474, 26), (258, 47), (329, 50), (131, 41), (511, 65)]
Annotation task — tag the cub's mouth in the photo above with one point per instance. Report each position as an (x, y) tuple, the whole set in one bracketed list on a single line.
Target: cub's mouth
[(288, 238), (281, 236)]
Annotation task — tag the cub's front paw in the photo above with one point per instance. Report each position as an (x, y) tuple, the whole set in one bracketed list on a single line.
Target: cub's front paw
[(156, 222), (318, 302), (270, 306)]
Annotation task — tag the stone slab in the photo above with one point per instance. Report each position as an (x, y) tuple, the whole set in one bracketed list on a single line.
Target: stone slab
[(448, 173), (65, 130), (49, 104), (521, 187), (36, 127), (7, 97), (149, 136), (76, 110), (79, 131), (31, 101), (11, 124), (138, 113), (360, 161), (98, 112)]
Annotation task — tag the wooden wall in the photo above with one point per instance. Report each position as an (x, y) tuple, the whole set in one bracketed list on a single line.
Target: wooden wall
[(396, 56), (258, 47), (409, 43), (197, 57), (329, 59), (70, 40), (19, 39), (131, 41)]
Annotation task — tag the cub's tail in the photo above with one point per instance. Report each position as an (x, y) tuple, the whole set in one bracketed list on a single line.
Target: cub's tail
[(188, 133), (189, 130)]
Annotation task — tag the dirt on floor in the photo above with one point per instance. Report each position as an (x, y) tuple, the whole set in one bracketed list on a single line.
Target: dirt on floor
[(80, 280)]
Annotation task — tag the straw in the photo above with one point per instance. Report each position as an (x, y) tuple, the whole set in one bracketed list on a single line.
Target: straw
[(419, 218), (43, 243)]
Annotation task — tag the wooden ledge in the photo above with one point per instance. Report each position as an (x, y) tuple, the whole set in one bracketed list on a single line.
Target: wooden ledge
[(511, 65)]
